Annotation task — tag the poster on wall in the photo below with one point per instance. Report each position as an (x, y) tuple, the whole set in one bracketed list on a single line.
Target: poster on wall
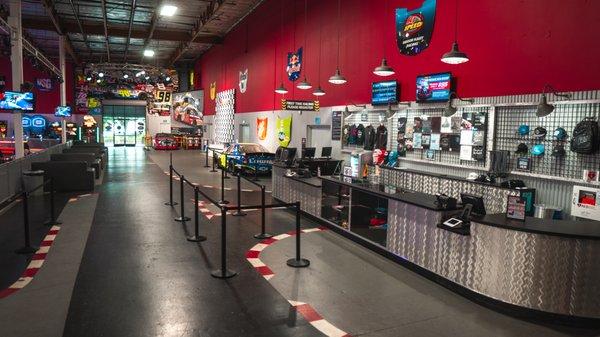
[(187, 107), (243, 82), (284, 130), (415, 28), (43, 84), (294, 64), (161, 105), (300, 105), (336, 125), (213, 91), (261, 127)]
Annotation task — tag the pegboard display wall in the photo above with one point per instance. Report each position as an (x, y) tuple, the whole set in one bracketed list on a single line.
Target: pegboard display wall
[(566, 116), (444, 156), (225, 117), (366, 118)]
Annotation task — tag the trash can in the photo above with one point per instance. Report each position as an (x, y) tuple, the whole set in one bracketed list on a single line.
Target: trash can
[(33, 179)]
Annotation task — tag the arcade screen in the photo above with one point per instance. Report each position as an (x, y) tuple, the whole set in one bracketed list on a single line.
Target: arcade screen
[(11, 100), (434, 87), (384, 92), (63, 111)]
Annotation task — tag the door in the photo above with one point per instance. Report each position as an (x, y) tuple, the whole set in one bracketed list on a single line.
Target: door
[(244, 133), (124, 125)]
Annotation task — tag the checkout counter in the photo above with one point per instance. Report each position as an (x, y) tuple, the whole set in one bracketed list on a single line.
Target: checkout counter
[(546, 269)]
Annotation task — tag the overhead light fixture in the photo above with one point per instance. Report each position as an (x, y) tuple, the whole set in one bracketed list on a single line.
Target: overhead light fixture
[(384, 69), (147, 78), (98, 80), (126, 76), (140, 73), (543, 107), (450, 109), (319, 92), (168, 78), (304, 85), (281, 89), (168, 10), (337, 78), (89, 78), (148, 53), (101, 74), (455, 56)]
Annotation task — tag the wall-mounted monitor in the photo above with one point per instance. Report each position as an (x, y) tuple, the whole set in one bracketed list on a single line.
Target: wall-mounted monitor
[(12, 100), (384, 92), (63, 111), (434, 87)]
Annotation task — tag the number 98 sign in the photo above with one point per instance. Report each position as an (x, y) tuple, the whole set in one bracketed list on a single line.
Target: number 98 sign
[(163, 97)]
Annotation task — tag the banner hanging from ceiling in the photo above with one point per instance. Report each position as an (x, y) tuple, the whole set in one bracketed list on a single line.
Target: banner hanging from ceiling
[(243, 83), (284, 130), (415, 28), (294, 64), (261, 127)]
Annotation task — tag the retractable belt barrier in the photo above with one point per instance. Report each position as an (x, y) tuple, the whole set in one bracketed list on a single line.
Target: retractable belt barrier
[(262, 235)]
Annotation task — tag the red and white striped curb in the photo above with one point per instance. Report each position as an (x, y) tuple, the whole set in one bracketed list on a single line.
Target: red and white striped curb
[(34, 266), (305, 309)]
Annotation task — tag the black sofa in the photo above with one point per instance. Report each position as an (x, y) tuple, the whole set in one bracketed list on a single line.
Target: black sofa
[(89, 158), (97, 151), (68, 176)]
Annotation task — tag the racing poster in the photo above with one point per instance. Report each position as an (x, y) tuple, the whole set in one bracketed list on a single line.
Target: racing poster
[(294, 65), (261, 127), (414, 28), (284, 130), (187, 107)]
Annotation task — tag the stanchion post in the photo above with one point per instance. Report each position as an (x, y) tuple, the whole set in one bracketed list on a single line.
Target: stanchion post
[(223, 273), (223, 201), (182, 218), (52, 221), (170, 202), (206, 164), (298, 262), (239, 196), (226, 165), (213, 162), (28, 248), (262, 235), (256, 175), (196, 237)]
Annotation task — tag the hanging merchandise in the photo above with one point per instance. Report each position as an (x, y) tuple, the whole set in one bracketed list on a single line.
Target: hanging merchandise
[(243, 83), (284, 130), (346, 134), (586, 138), (261, 127), (294, 64), (381, 137), (415, 28), (369, 138)]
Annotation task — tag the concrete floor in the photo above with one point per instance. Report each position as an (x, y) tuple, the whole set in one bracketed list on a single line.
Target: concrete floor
[(138, 276)]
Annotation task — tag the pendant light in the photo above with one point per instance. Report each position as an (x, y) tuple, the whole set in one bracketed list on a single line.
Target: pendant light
[(337, 78), (450, 109), (384, 69), (305, 85), (455, 56), (281, 89), (544, 108), (319, 92)]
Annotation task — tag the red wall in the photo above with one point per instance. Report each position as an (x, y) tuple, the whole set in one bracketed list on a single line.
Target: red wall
[(515, 47), (46, 102)]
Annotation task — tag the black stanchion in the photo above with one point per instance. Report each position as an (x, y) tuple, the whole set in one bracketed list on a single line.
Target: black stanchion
[(262, 235), (239, 196), (255, 175), (182, 218), (213, 162), (28, 248), (196, 237), (226, 165), (52, 221), (223, 273), (298, 262), (206, 164), (223, 201), (170, 202)]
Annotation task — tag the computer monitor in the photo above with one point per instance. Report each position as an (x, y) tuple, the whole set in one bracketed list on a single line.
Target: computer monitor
[(279, 153), (475, 201), (308, 152), (288, 155), (326, 152)]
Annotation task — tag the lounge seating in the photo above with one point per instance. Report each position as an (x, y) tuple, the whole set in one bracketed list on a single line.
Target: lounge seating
[(89, 158), (67, 175), (97, 151)]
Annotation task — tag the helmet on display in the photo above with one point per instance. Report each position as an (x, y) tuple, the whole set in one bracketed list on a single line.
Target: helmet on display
[(392, 158), (473, 176), (522, 148), (538, 149), (523, 130), (560, 133), (559, 150), (539, 132)]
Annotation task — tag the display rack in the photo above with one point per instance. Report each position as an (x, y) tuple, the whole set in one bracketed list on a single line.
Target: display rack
[(373, 118), (572, 165)]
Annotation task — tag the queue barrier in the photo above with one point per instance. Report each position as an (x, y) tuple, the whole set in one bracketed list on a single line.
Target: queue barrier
[(262, 235)]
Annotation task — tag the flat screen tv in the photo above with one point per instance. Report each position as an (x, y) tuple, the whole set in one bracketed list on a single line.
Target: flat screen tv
[(63, 111), (12, 100), (434, 87), (384, 92)]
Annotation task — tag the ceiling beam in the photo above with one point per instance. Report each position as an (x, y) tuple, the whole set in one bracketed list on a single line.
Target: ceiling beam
[(75, 12), (49, 5), (207, 16), (137, 32), (153, 23), (105, 30), (133, 2)]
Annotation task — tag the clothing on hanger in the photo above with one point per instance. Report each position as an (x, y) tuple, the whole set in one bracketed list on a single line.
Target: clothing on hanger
[(369, 138), (381, 137)]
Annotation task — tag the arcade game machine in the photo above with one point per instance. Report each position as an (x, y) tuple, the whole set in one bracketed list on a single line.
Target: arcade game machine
[(72, 131), (89, 130), (55, 130), (3, 129)]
